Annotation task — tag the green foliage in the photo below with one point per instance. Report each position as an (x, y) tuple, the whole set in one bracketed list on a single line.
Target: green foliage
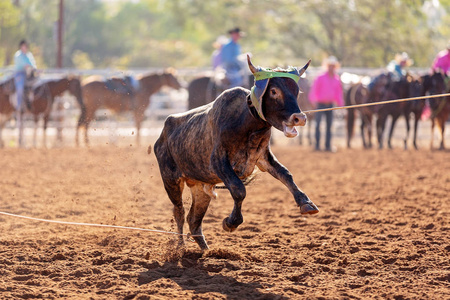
[(180, 33)]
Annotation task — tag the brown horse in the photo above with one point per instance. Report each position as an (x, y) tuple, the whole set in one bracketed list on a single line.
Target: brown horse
[(7, 88), (360, 94), (414, 107), (96, 94), (205, 89), (434, 84), (394, 90), (43, 97)]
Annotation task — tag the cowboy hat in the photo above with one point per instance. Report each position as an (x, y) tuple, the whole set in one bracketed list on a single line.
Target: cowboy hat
[(236, 30)]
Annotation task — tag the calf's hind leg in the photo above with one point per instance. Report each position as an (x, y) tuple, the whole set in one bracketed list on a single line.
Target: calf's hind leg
[(173, 184), (201, 197)]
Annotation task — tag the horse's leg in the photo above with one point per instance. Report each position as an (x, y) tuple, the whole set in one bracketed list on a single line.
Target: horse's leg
[(381, 123), (416, 122), (19, 121), (369, 125), (350, 125), (432, 133), (201, 197), (44, 131), (441, 126), (86, 137), (407, 130), (36, 125), (363, 132), (391, 131)]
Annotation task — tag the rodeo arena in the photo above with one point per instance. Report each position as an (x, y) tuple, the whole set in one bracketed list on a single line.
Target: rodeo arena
[(255, 181)]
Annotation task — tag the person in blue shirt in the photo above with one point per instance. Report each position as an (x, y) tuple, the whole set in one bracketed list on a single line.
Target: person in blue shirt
[(229, 58), (24, 63), (398, 65)]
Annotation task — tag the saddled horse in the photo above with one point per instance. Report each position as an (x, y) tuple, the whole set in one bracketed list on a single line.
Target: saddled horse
[(7, 88), (361, 94), (43, 95), (100, 93), (434, 84)]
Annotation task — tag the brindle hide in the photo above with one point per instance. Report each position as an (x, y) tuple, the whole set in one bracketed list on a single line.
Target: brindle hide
[(224, 141)]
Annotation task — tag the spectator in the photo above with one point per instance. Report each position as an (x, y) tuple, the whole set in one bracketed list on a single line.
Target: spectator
[(442, 61), (326, 92)]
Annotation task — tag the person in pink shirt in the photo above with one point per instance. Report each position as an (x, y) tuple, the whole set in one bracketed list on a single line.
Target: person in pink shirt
[(326, 92), (442, 61)]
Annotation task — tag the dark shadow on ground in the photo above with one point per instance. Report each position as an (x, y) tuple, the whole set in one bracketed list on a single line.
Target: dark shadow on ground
[(191, 272)]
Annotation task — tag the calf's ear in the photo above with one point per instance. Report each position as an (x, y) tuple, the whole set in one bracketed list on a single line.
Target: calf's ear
[(250, 65)]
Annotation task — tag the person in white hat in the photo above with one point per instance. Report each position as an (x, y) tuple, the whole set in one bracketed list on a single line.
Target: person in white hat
[(326, 92)]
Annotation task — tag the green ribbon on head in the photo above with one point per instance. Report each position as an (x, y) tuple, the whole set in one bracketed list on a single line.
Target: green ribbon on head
[(262, 77), (268, 73)]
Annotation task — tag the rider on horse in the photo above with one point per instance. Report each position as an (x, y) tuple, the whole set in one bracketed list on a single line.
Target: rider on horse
[(396, 69), (24, 65), (229, 58)]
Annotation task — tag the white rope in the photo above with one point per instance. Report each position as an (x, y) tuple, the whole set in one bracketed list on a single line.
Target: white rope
[(377, 103), (98, 225)]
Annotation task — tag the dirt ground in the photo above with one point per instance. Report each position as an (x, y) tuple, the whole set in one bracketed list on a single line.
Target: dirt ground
[(383, 231)]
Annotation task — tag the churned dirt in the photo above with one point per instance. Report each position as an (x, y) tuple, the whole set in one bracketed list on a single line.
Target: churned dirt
[(383, 231)]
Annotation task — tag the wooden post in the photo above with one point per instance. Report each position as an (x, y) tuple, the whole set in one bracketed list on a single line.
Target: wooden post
[(59, 57)]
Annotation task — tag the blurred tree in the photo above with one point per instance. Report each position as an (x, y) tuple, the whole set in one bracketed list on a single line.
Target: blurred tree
[(180, 33), (9, 17)]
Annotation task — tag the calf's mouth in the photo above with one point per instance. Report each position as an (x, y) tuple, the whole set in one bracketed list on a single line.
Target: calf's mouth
[(294, 120)]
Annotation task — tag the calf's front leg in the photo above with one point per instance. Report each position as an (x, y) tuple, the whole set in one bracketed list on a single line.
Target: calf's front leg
[(270, 164), (222, 167)]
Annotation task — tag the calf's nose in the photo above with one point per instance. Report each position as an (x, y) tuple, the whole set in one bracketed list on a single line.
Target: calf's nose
[(298, 119)]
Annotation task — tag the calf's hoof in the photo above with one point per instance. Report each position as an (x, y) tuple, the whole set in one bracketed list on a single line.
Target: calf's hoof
[(227, 226), (308, 209), (201, 243)]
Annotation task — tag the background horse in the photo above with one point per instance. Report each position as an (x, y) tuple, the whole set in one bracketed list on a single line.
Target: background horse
[(415, 107), (7, 88), (43, 97), (360, 94), (205, 89), (434, 84), (96, 94), (395, 90)]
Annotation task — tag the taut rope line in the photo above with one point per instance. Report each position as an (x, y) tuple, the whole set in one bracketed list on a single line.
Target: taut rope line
[(98, 225), (377, 103)]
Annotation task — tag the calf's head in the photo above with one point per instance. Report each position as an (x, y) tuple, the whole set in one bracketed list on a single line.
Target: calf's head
[(274, 97)]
